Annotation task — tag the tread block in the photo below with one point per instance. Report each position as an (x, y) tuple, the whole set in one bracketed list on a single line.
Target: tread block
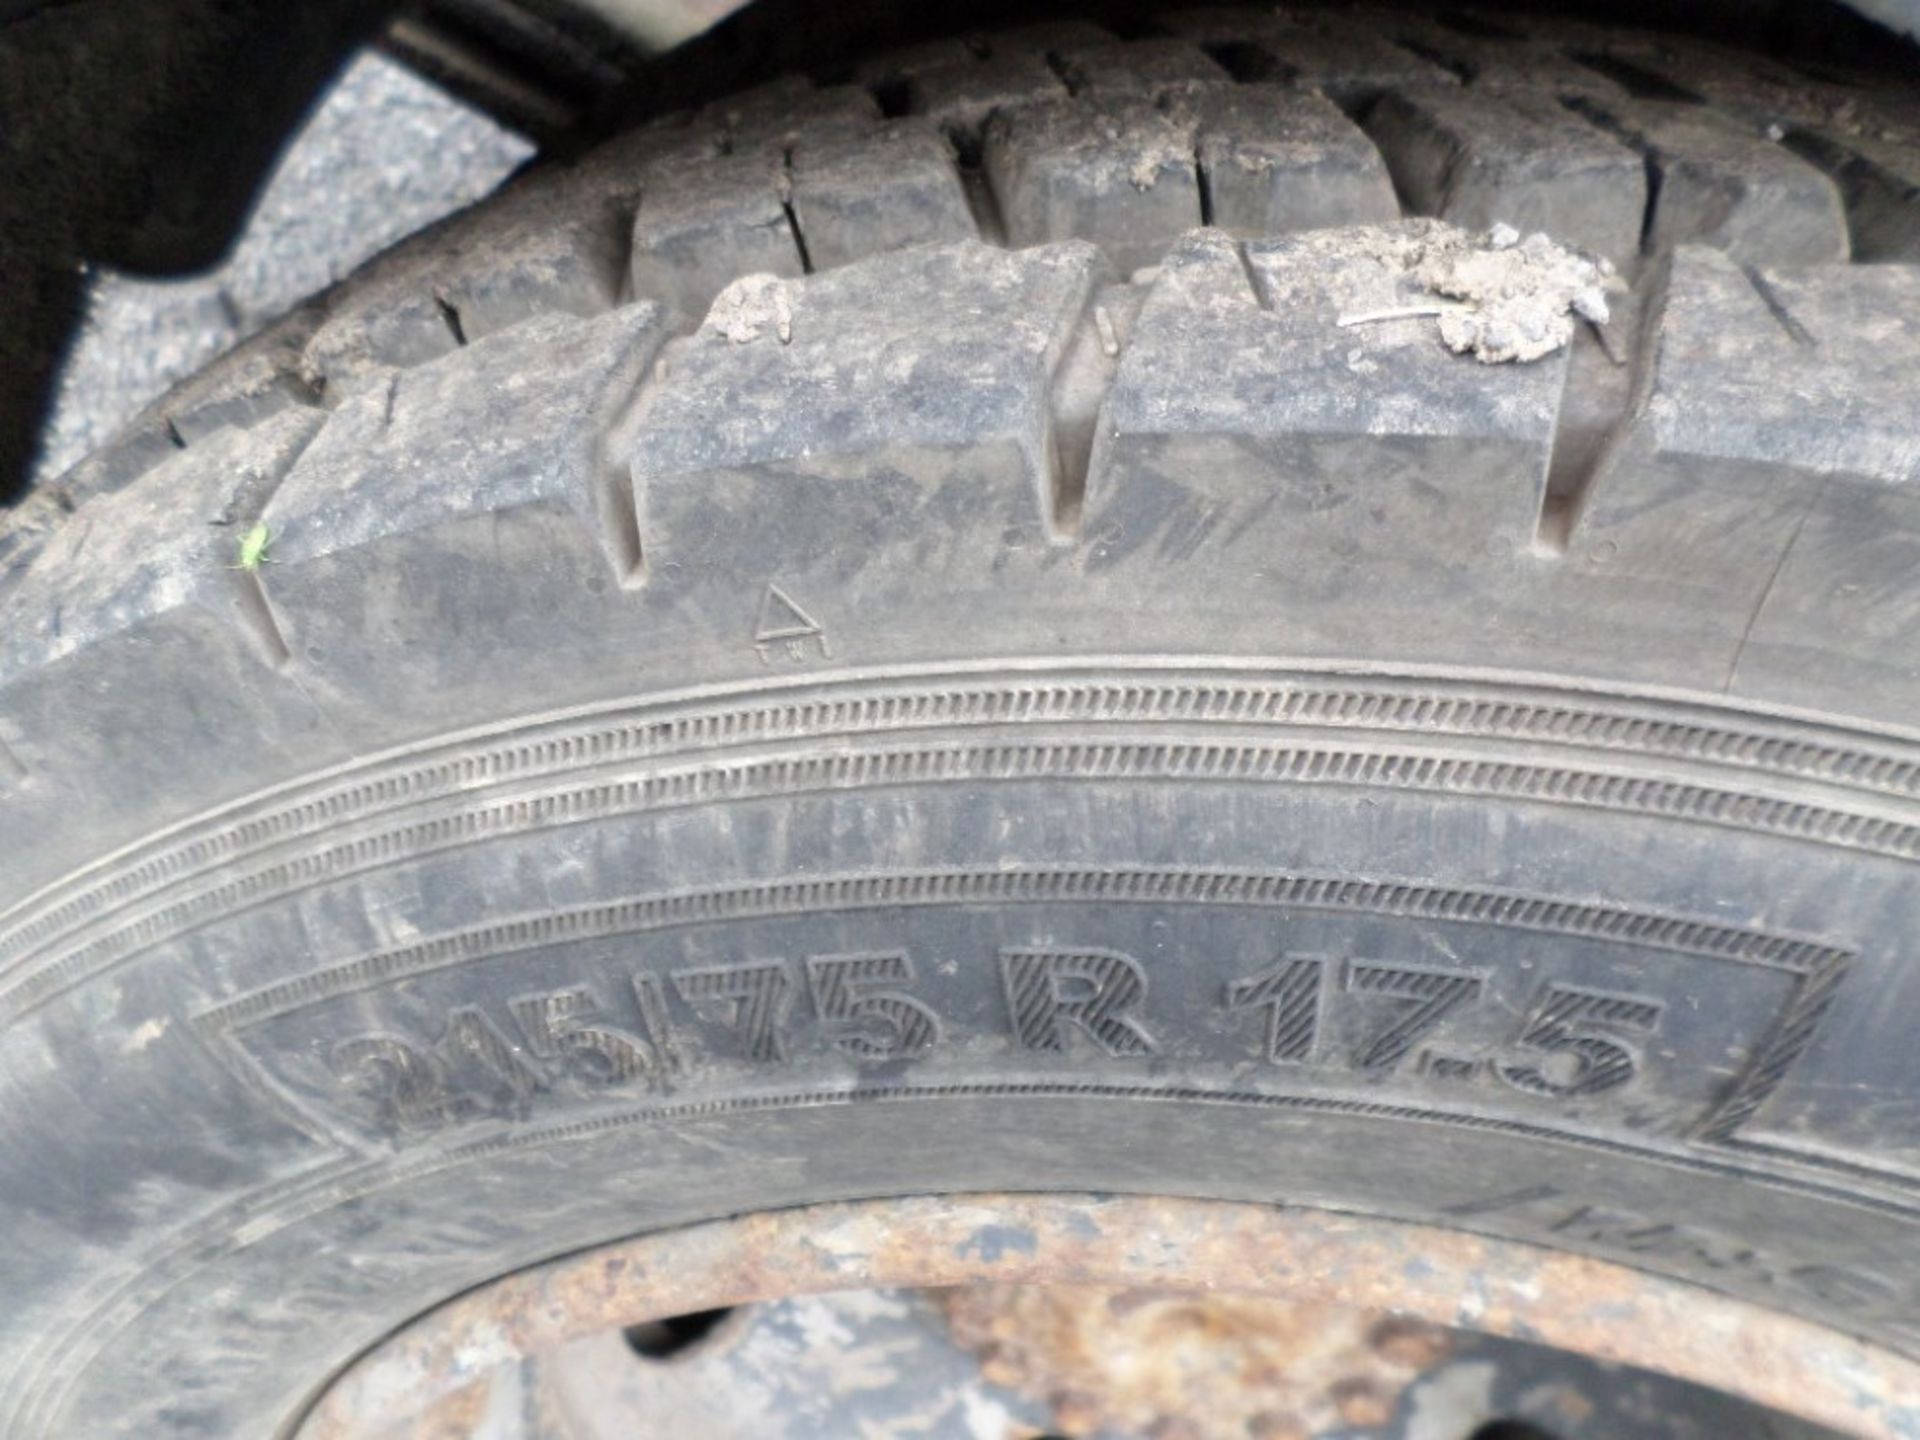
[(1477, 158), (134, 659), (498, 511), (895, 186), (1049, 37), (961, 94), (104, 578), (1220, 25), (1570, 32), (613, 170), (139, 446), (1120, 173), (1156, 67), (1737, 83), (1720, 184), (785, 111), (1277, 160), (25, 529), (1351, 63), (1323, 461), (552, 243), (1879, 180), (1491, 59), (899, 401), (389, 316), (558, 251), (256, 380), (1808, 367), (702, 222), (1780, 405), (893, 68), (554, 246)]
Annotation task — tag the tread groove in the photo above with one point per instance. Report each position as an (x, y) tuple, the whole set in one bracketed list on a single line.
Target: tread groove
[(1247, 61), (1636, 80), (983, 201), (1247, 273), (1064, 72), (1076, 396), (618, 503), (1434, 56), (256, 613), (1597, 116), (1567, 494)]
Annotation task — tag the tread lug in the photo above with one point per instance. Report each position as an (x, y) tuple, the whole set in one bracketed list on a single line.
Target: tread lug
[(1311, 470), (895, 186), (1119, 173), (1477, 159)]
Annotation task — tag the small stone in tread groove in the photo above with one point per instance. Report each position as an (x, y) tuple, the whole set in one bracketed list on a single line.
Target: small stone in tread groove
[(892, 187), (1480, 159), (1117, 172)]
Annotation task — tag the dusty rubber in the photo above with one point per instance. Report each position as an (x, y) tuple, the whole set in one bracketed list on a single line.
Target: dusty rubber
[(847, 644)]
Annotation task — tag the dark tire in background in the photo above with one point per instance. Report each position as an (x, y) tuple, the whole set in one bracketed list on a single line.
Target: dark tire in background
[(839, 646)]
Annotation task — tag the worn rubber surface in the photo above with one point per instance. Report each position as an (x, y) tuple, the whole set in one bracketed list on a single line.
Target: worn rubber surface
[(1017, 695)]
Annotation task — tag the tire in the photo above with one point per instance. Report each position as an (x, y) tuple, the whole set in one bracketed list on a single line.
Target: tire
[(1014, 694)]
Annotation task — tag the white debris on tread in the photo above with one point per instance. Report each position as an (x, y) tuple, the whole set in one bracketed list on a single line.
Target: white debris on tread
[(1522, 296), (1502, 297), (743, 311)]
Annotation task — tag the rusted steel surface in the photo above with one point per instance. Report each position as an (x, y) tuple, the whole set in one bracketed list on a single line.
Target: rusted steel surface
[(1185, 1366), (1012, 1362), (1441, 1277)]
